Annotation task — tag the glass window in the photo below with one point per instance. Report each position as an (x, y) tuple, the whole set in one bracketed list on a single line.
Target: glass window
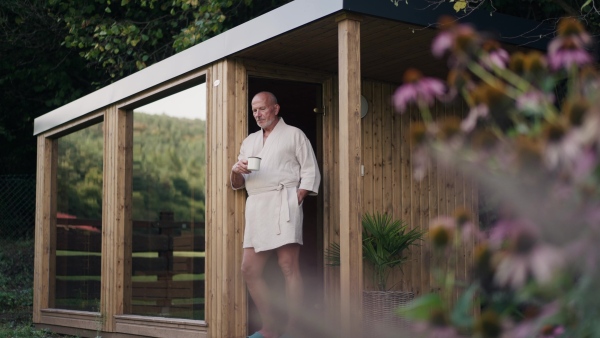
[(79, 220), (169, 175)]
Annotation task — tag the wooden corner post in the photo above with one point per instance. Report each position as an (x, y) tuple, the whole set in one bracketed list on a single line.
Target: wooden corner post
[(351, 272), (45, 226)]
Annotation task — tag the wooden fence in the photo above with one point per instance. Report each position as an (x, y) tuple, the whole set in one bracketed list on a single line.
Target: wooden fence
[(167, 267)]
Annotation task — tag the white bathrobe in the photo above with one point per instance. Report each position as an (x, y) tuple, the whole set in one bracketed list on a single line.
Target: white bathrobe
[(288, 163)]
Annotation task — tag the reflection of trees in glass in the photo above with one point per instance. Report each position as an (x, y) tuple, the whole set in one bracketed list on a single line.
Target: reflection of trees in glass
[(79, 177), (168, 167), (169, 171)]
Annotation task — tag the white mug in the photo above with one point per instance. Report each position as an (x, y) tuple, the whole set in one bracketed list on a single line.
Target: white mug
[(254, 163)]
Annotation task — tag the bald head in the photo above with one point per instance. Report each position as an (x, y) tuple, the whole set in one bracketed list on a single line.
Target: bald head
[(268, 96)]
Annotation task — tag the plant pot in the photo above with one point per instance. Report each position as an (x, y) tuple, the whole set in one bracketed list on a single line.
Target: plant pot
[(379, 312)]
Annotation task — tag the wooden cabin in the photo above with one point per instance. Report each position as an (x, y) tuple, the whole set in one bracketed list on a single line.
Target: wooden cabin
[(135, 238)]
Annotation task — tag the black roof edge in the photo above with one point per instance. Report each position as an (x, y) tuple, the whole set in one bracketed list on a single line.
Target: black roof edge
[(505, 28)]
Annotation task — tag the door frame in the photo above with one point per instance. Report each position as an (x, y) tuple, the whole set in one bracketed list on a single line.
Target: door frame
[(255, 69)]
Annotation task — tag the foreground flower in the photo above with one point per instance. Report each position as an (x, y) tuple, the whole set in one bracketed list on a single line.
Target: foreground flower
[(522, 255), (460, 40), (417, 89), (494, 55), (532, 66), (566, 53), (568, 48), (441, 231)]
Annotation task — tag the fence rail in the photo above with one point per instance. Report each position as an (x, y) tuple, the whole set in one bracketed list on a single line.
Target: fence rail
[(17, 206)]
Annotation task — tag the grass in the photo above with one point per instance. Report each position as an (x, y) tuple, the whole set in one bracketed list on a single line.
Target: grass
[(16, 291), (25, 330)]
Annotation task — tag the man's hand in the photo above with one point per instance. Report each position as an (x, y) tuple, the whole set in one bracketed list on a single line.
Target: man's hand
[(241, 167), (301, 194), (238, 169)]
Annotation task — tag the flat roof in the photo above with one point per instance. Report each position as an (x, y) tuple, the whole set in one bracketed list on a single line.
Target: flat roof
[(264, 27), (272, 24)]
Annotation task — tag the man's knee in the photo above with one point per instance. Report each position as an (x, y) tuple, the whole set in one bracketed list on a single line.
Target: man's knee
[(289, 265), (249, 271)]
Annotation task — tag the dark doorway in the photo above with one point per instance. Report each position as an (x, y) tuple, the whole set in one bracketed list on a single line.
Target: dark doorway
[(299, 103)]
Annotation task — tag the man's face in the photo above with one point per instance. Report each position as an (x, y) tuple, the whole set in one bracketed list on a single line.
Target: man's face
[(264, 111)]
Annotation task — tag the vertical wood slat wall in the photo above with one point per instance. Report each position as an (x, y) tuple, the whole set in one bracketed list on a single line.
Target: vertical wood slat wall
[(389, 187), (226, 115), (330, 179)]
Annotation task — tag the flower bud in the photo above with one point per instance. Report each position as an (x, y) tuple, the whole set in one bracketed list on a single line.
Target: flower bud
[(440, 236)]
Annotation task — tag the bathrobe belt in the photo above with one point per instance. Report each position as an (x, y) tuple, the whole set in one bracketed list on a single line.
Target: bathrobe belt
[(284, 207)]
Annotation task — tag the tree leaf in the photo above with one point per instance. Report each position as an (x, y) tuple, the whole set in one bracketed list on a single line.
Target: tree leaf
[(460, 5), (585, 6)]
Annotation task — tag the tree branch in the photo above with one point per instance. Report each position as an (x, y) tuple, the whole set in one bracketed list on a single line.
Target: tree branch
[(568, 9)]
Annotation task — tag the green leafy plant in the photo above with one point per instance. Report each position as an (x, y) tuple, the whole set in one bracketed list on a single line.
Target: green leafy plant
[(385, 242)]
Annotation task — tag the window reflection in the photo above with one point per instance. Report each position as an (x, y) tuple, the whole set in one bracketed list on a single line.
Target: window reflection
[(168, 206), (79, 220)]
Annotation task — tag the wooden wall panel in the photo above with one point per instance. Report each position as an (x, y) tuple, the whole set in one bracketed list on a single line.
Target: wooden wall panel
[(368, 160), (241, 122), (389, 186), (330, 179)]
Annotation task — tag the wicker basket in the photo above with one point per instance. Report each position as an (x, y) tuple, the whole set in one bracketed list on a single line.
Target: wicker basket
[(379, 309)]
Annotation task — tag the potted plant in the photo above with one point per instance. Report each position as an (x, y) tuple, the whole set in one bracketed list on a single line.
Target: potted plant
[(385, 242)]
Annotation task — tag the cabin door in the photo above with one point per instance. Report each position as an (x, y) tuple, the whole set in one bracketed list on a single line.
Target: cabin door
[(300, 107)]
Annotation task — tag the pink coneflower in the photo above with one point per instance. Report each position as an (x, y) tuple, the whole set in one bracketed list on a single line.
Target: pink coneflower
[(568, 48), (460, 40), (417, 89), (563, 53), (522, 255), (494, 55), (444, 40)]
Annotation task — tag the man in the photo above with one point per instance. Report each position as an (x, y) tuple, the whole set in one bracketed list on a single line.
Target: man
[(288, 173)]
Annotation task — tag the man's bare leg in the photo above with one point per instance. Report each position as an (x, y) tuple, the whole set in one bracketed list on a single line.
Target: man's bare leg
[(288, 257), (253, 264)]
